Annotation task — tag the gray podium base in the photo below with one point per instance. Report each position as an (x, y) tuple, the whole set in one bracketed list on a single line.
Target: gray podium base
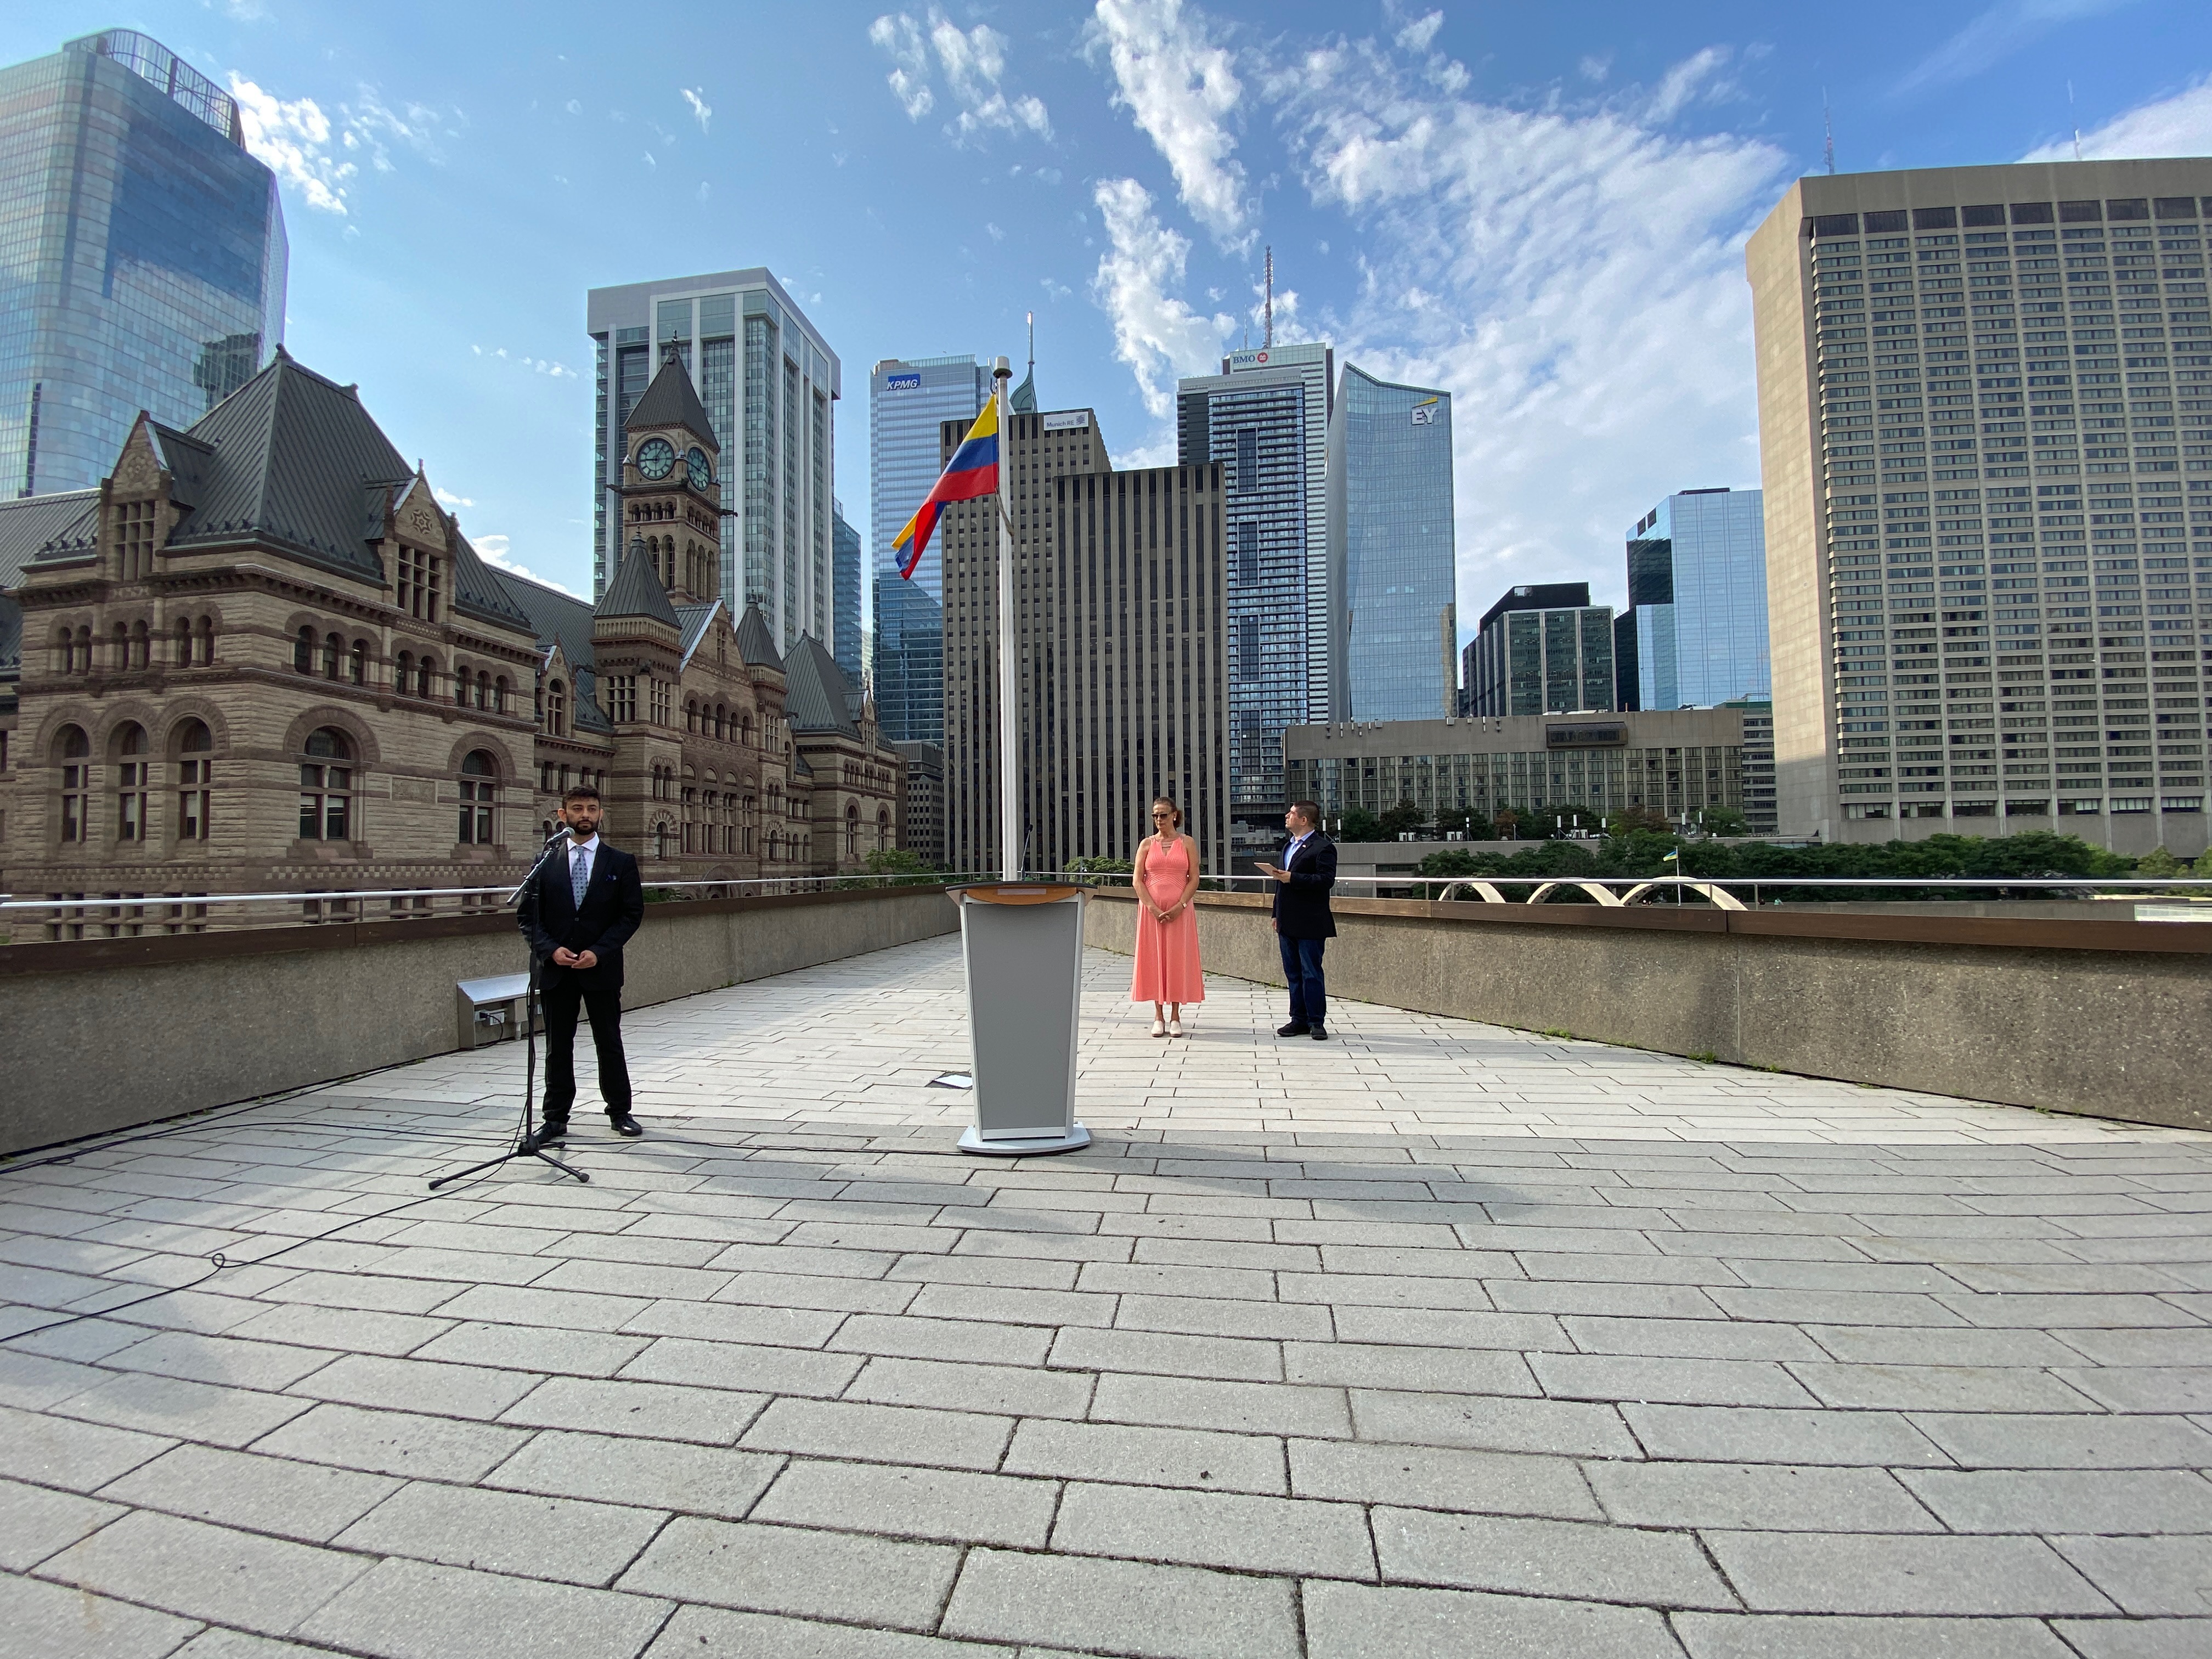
[(972, 1140)]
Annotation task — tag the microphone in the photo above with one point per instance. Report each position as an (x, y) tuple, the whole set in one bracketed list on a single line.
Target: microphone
[(562, 833)]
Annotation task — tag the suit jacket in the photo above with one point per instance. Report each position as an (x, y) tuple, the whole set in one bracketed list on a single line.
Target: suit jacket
[(1302, 902), (613, 906)]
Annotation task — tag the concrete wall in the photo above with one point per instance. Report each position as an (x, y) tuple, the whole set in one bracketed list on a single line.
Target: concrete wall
[(2104, 1017), (103, 1035)]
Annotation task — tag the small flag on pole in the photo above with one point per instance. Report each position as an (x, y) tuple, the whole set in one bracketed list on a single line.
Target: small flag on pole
[(1673, 857), (972, 474)]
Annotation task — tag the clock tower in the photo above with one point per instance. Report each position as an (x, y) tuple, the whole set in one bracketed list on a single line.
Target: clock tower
[(671, 489)]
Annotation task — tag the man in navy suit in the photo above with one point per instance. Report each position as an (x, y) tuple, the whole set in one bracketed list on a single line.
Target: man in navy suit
[(577, 914), (1303, 926)]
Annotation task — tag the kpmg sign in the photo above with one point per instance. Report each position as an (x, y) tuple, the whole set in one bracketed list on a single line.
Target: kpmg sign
[(1587, 734), (1071, 420), (910, 381)]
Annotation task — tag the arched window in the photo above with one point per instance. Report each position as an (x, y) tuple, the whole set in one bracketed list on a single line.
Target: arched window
[(479, 796), (884, 830), (358, 669), (499, 694), (184, 642), (747, 732), (73, 752), (303, 651), (84, 650), (128, 747), (426, 676), (403, 673), (326, 786), (661, 840), (333, 649), (63, 658), (193, 744), (141, 647), (483, 688), (556, 708), (119, 653), (207, 641), (721, 720), (690, 714), (460, 686), (852, 832)]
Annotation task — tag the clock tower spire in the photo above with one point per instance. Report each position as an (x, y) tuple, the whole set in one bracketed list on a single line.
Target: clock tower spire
[(671, 489)]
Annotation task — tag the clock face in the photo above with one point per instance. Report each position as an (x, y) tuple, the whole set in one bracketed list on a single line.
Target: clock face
[(656, 457), (702, 474)]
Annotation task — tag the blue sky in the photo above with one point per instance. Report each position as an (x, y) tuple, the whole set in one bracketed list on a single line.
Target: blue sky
[(1540, 208)]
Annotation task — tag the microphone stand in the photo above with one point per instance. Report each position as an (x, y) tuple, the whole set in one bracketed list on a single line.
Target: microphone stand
[(524, 1146)]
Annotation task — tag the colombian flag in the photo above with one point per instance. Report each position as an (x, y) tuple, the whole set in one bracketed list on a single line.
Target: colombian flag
[(972, 473)]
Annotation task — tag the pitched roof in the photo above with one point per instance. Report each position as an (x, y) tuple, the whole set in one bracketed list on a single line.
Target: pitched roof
[(27, 527), (564, 620), (636, 592), (756, 642), (478, 591), (671, 400), (693, 620), (817, 697)]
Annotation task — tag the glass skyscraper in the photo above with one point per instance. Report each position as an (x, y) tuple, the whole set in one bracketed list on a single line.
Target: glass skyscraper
[(1265, 419), (142, 255), (1542, 649), (768, 381), (908, 401), (845, 579), (1694, 635), (1390, 545)]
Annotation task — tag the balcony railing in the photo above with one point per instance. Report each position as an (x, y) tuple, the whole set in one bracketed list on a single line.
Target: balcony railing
[(94, 916)]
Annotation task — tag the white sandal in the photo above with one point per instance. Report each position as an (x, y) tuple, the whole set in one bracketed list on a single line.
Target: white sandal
[(1175, 1026), (1158, 1030)]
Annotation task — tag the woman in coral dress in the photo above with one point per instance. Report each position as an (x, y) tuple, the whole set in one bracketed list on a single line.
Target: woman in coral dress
[(1167, 973)]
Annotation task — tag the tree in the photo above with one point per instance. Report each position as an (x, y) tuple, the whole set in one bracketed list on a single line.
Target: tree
[(1359, 824), (1508, 825), (1404, 819), (1724, 821), (1632, 818)]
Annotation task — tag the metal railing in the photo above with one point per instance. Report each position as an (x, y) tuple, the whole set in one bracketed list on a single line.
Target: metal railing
[(94, 916), (1725, 891)]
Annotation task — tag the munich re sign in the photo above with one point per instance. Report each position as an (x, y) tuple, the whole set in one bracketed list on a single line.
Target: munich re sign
[(1587, 734), (1069, 420)]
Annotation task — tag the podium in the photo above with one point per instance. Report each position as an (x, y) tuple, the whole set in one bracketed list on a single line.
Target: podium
[(1022, 943)]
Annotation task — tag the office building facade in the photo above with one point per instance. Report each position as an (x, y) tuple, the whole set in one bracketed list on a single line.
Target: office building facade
[(144, 255), (769, 385), (1985, 397), (909, 400), (1678, 764), (1121, 620), (846, 631), (1394, 637), (1542, 649), (1694, 633), (1264, 421)]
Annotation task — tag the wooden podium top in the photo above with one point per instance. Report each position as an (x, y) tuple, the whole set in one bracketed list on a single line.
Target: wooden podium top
[(1019, 892)]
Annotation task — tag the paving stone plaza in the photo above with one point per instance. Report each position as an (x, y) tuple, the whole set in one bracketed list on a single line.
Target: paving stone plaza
[(1434, 1340)]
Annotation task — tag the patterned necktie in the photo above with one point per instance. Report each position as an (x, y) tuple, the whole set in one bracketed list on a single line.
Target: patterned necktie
[(579, 874)]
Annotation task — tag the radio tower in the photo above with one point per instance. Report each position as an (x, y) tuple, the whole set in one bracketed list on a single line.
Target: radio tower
[(1828, 130), (1267, 311)]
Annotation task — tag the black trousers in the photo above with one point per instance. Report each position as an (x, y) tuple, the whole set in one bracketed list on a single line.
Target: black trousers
[(561, 999)]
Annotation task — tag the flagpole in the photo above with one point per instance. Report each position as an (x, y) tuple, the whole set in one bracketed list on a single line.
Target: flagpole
[(1009, 812)]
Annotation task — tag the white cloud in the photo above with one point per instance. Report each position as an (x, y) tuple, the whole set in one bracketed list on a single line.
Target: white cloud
[(700, 107), (574, 106), (1996, 35), (1158, 335), (1573, 277), (448, 498), (995, 233), (2178, 125), (1417, 35), (1181, 88), (495, 552), (704, 190), (973, 62), (293, 138)]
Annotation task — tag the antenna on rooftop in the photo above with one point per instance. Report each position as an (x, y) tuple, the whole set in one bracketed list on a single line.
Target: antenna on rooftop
[(1267, 313), (1032, 317), (1828, 132)]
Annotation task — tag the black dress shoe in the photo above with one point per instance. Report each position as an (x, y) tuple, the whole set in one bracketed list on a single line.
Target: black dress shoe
[(1319, 1033), (623, 1124), (1294, 1028), (546, 1135)]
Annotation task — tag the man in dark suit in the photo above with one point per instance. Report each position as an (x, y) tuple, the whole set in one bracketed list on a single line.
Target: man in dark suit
[(1304, 925), (578, 912)]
